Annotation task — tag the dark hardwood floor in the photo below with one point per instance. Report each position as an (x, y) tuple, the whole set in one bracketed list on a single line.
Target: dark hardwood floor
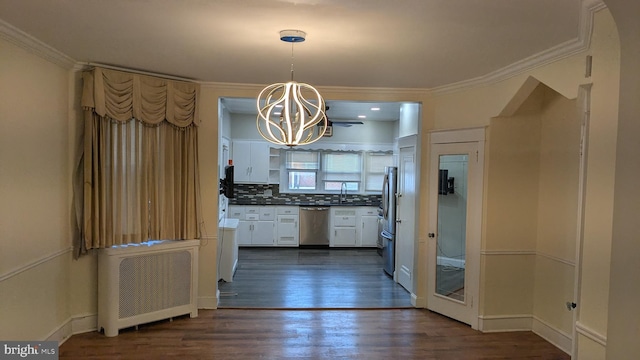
[(300, 278), (352, 290), (310, 334)]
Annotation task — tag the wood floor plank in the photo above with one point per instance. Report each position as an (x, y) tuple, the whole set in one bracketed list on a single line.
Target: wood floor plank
[(301, 278), (310, 334)]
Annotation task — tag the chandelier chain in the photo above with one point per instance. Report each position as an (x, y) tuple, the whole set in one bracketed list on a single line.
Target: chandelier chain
[(292, 61)]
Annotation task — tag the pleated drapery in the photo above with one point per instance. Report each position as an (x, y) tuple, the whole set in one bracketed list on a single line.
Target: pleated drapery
[(140, 160)]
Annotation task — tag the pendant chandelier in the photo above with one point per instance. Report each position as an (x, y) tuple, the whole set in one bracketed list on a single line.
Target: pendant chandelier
[(291, 113)]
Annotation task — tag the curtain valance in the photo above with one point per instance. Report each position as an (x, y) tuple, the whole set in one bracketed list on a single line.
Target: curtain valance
[(122, 96)]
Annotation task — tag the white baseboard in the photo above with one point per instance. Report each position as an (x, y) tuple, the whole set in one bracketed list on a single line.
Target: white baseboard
[(74, 325), (418, 302), (526, 322), (447, 261), (61, 333), (591, 334), (84, 323), (208, 302), (559, 338), (502, 323)]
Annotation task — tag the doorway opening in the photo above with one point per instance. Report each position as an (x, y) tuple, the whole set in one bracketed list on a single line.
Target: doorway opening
[(346, 274)]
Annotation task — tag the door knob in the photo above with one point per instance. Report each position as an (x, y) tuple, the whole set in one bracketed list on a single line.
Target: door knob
[(431, 235)]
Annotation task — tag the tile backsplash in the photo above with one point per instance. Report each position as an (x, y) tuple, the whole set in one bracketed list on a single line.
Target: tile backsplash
[(261, 194)]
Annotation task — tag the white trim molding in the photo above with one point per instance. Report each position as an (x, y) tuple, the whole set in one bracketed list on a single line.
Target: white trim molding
[(20, 38), (418, 302), (209, 302), (527, 252), (557, 259), (526, 322), (508, 252), (557, 337), (591, 334), (74, 325), (38, 262), (553, 54), (502, 323)]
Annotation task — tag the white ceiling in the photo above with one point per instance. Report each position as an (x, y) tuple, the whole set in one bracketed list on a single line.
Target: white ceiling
[(419, 44), (354, 43)]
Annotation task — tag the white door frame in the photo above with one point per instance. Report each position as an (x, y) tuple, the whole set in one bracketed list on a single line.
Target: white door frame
[(584, 101), (407, 226), (474, 218)]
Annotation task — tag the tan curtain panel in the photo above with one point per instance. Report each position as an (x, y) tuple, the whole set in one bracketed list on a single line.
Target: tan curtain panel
[(140, 160)]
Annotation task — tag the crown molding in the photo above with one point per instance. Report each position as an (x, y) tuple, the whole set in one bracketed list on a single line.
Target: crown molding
[(372, 94), (22, 39), (553, 54)]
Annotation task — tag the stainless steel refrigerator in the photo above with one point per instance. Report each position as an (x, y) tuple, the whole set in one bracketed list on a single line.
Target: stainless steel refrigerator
[(389, 196)]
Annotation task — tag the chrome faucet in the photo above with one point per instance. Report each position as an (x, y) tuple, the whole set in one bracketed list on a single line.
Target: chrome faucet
[(343, 192)]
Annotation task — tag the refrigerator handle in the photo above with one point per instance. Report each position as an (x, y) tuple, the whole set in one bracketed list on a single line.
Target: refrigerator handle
[(385, 196)]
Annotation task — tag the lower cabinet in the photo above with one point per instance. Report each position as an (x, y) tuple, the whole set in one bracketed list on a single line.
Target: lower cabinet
[(350, 226), (344, 236), (343, 225), (256, 233), (354, 226), (287, 231), (368, 236)]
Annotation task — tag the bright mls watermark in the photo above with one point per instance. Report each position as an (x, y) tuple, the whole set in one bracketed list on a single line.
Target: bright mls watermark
[(44, 350)]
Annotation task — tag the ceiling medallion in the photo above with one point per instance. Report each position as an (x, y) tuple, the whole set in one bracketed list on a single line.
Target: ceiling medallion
[(291, 113)]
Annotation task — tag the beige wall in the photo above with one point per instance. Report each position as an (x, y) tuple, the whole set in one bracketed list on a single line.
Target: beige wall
[(476, 107), (35, 191), (557, 218), (624, 294), (511, 203), (531, 217)]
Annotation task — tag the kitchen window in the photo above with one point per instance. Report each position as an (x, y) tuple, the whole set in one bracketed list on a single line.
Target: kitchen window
[(325, 171), (374, 169), (302, 170)]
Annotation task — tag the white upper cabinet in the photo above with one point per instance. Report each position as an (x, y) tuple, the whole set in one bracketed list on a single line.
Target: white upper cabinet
[(251, 161)]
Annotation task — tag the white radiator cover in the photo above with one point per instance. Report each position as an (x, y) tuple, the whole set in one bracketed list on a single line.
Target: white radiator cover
[(146, 282)]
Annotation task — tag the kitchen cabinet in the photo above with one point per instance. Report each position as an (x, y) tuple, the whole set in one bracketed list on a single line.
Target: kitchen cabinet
[(367, 226), (256, 226), (287, 226), (343, 226), (251, 161), (255, 233), (287, 230)]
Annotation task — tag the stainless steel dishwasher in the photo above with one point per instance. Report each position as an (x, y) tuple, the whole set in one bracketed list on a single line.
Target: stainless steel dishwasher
[(314, 225)]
